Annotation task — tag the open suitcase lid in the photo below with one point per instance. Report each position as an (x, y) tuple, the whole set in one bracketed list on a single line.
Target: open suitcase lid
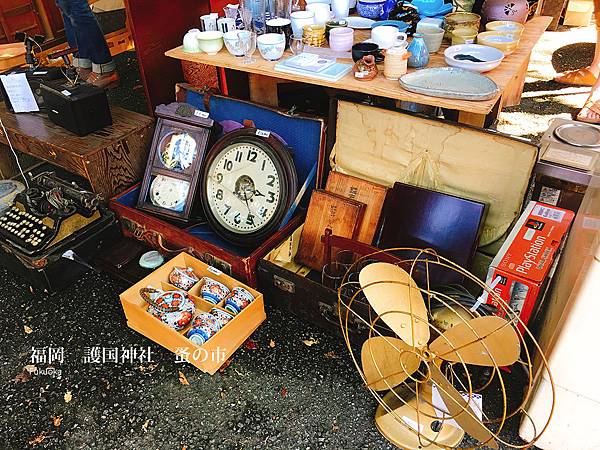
[(386, 146)]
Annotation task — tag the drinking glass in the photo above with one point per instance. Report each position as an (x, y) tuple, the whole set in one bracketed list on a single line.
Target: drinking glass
[(249, 49), (332, 275), (296, 45)]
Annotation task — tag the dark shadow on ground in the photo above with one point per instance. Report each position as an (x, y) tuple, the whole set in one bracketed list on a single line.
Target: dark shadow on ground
[(573, 56)]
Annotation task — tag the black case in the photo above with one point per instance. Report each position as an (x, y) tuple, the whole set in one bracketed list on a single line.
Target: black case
[(51, 272), (81, 108)]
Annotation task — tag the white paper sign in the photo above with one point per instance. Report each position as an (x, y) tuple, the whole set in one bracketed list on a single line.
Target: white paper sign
[(19, 92), (440, 407)]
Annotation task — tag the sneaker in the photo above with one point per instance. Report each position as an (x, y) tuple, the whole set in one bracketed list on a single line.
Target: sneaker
[(104, 80)]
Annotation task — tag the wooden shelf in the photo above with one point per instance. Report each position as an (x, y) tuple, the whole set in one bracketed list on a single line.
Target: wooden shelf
[(508, 76)]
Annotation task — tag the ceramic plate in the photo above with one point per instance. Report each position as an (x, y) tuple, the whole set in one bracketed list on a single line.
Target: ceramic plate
[(450, 82), (359, 23), (579, 134)]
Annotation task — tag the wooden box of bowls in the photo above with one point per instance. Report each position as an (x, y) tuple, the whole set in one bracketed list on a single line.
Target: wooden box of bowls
[(264, 164), (367, 161), (194, 310)]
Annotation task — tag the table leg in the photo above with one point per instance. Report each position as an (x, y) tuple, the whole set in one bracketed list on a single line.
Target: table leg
[(514, 89), (8, 166), (263, 89), (468, 118)]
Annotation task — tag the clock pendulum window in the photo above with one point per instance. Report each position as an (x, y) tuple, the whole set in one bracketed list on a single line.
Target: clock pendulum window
[(181, 138), (249, 182)]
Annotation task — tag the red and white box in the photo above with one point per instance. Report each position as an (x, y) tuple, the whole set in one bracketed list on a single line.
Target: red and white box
[(527, 258)]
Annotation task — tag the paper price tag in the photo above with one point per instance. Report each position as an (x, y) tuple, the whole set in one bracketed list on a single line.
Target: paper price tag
[(65, 92), (548, 213), (202, 114), (214, 270), (263, 133), (442, 411)]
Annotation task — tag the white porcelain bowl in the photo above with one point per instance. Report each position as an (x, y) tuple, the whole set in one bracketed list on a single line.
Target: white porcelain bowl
[(271, 46), (235, 41), (491, 57), (210, 42)]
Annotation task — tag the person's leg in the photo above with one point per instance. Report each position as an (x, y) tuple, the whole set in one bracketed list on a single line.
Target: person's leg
[(586, 76), (591, 110), (80, 60)]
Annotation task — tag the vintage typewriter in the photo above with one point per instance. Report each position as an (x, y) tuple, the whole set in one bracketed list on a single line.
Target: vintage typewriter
[(47, 213)]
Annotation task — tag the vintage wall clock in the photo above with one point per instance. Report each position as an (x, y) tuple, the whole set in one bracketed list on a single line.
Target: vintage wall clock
[(182, 135), (249, 182)]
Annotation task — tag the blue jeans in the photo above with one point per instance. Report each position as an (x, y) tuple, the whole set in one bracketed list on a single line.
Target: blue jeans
[(83, 31)]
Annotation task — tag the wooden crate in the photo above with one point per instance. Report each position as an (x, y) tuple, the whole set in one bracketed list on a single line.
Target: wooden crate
[(213, 353)]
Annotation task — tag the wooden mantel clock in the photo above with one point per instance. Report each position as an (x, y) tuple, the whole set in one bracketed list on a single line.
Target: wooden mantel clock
[(181, 138)]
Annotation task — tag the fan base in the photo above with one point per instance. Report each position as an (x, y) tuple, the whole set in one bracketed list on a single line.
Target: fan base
[(405, 438)]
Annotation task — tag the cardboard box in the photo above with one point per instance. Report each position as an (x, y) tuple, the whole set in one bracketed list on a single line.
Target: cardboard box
[(214, 352), (527, 258), (578, 13)]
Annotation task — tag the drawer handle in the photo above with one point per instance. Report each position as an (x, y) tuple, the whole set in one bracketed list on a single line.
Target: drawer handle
[(53, 154)]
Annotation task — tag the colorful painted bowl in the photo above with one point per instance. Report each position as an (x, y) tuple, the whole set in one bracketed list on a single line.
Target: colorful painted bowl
[(502, 40), (183, 278), (371, 9), (210, 42), (178, 319), (222, 317), (212, 291), (505, 25), (237, 300), (271, 46)]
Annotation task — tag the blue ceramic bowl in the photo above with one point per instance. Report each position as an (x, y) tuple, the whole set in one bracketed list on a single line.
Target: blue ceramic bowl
[(371, 9)]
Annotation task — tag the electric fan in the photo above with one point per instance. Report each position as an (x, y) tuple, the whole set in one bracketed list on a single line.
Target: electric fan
[(422, 375)]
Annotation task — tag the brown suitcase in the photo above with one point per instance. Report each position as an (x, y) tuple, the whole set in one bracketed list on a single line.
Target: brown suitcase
[(414, 159), (305, 135)]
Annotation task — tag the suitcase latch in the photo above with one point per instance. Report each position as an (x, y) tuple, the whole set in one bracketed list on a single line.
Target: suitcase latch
[(284, 285), (218, 263)]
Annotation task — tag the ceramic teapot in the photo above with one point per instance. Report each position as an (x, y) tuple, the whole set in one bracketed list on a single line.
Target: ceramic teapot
[(173, 308)]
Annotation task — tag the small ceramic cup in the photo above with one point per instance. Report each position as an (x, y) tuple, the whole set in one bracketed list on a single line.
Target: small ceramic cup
[(366, 48), (341, 39), (225, 24), (433, 38), (280, 25), (463, 36), (299, 19), (237, 300), (212, 291), (222, 317), (204, 326), (322, 12), (183, 278)]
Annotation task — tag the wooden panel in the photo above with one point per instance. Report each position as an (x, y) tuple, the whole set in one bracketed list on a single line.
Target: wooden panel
[(51, 17), (18, 15), (553, 8), (326, 210), (371, 194), (157, 25), (386, 88)]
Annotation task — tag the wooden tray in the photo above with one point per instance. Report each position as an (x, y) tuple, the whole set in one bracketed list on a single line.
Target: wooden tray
[(213, 353), (11, 55)]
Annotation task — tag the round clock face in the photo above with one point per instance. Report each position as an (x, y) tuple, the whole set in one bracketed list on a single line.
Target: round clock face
[(177, 150), (244, 187), (248, 185), (169, 193)]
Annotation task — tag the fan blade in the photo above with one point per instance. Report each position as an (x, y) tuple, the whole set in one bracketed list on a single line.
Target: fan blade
[(466, 340), (459, 409), (396, 298), (387, 362)]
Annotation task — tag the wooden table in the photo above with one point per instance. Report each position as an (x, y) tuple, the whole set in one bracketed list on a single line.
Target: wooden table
[(111, 159), (509, 77)]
